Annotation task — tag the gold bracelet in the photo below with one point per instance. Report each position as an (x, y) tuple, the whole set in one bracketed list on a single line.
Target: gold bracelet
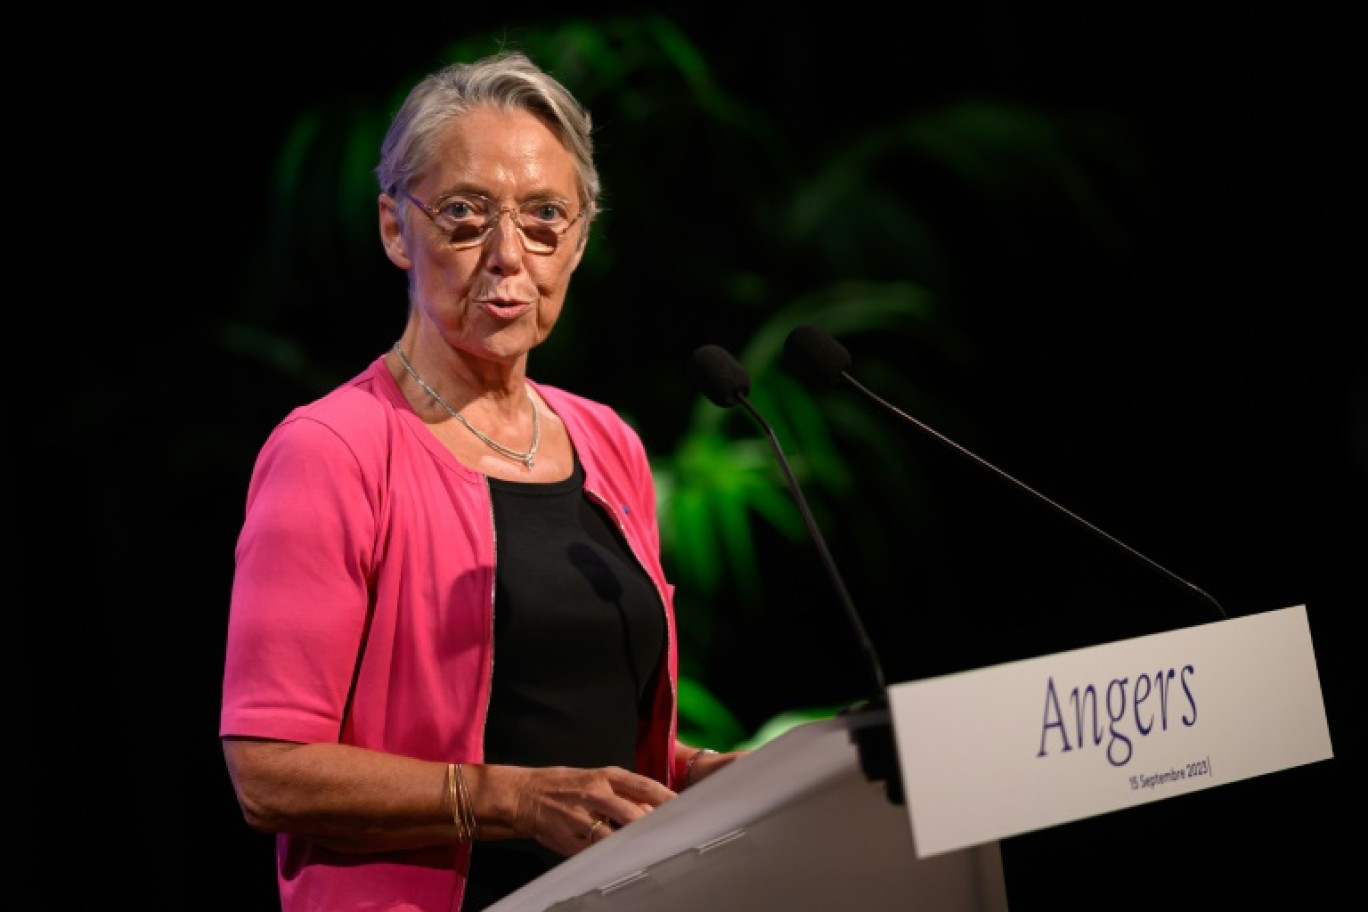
[(454, 798), (468, 806), (688, 767)]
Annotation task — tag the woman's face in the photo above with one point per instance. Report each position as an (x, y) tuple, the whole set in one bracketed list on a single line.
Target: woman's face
[(495, 299)]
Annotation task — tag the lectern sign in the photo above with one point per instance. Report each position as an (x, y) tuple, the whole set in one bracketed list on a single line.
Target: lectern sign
[(1012, 748)]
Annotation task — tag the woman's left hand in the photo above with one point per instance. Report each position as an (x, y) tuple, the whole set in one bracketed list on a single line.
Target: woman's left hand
[(568, 809)]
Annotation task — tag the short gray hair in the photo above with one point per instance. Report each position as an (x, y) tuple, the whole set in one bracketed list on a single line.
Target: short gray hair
[(506, 80)]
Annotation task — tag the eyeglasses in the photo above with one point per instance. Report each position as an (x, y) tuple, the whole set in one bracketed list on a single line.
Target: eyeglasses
[(467, 218)]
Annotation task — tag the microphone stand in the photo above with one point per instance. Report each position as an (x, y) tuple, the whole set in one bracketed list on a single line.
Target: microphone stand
[(875, 744), (1152, 564)]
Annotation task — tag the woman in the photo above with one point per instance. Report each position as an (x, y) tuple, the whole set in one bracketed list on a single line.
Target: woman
[(451, 654)]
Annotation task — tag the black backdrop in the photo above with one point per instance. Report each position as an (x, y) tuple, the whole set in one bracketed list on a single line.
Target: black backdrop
[(1220, 425)]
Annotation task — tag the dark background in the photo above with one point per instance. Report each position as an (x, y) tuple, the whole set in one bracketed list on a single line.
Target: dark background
[(1202, 398)]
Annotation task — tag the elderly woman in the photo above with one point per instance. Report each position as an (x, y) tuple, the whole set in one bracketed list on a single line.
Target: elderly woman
[(451, 656)]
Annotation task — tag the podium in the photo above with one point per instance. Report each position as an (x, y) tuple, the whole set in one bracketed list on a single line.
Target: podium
[(796, 825), (903, 807)]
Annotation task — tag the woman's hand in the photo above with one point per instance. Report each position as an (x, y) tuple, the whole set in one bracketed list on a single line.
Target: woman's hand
[(563, 808)]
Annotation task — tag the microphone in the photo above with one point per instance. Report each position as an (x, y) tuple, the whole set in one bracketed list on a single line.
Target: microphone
[(823, 361), (720, 377)]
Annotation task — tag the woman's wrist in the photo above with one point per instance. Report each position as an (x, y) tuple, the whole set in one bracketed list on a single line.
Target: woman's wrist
[(687, 778)]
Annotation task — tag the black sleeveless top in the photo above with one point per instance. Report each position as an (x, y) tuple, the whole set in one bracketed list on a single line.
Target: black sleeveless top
[(579, 631)]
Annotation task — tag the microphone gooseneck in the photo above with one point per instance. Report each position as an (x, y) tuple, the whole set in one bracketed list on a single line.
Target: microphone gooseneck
[(720, 377), (819, 357)]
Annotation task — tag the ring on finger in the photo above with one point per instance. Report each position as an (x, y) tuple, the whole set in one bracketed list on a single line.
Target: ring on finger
[(598, 822)]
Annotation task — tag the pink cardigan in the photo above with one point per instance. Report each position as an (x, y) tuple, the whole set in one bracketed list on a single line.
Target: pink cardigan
[(367, 556)]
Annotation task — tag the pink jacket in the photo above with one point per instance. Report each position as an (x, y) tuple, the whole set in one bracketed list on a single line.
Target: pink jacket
[(362, 608)]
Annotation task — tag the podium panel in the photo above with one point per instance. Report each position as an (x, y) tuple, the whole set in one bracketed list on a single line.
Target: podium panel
[(795, 825)]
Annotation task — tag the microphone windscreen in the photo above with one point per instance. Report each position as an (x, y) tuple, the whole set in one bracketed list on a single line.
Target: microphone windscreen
[(717, 375), (816, 355)]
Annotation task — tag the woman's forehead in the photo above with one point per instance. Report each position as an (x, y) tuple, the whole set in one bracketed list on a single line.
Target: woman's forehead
[(497, 150)]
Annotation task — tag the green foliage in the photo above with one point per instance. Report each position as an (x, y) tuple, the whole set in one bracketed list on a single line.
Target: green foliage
[(703, 720), (723, 479), (784, 721)]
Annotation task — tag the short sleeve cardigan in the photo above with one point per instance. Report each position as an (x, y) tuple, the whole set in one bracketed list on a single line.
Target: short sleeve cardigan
[(361, 609)]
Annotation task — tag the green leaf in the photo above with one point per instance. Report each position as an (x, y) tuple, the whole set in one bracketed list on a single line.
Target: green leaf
[(703, 720)]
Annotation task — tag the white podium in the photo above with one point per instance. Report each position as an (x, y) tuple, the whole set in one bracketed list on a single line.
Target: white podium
[(795, 825)]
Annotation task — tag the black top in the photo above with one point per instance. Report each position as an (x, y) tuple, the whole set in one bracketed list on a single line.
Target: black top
[(578, 634)]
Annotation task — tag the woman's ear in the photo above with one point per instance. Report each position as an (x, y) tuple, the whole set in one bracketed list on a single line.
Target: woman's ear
[(392, 232)]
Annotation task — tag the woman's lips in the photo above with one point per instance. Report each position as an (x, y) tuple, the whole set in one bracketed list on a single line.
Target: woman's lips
[(506, 310)]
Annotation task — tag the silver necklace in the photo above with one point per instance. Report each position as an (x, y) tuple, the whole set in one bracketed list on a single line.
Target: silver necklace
[(525, 458)]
